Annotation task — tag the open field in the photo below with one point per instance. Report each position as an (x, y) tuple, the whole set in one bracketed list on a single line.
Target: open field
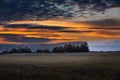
[(78, 66)]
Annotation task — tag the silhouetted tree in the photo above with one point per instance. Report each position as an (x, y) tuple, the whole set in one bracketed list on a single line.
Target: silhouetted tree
[(19, 50), (5, 52), (13, 50), (43, 51), (39, 51), (70, 48), (24, 50), (55, 50), (27, 50), (58, 49), (83, 47), (46, 51)]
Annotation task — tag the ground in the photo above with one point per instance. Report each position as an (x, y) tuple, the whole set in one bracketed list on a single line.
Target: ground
[(52, 66)]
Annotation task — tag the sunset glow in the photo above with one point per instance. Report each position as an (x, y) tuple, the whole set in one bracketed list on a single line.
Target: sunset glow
[(59, 23)]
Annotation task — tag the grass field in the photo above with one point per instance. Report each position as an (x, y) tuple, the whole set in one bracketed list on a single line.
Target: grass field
[(78, 66)]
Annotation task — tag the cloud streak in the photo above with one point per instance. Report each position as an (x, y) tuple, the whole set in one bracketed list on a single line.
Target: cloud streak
[(105, 22)]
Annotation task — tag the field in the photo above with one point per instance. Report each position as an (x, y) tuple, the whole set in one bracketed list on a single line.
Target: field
[(75, 66)]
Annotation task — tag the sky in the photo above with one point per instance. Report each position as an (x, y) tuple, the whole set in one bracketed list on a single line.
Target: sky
[(47, 23)]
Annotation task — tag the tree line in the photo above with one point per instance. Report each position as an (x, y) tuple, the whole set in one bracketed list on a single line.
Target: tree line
[(18, 50), (67, 48), (71, 48)]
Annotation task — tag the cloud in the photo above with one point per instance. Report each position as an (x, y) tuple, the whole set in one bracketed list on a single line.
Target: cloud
[(35, 31), (55, 28), (29, 40), (30, 26), (44, 9), (11, 35), (22, 39), (110, 33), (105, 22), (76, 31), (105, 27)]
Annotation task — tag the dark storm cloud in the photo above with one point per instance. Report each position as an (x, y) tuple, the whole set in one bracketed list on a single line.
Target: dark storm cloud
[(44, 9)]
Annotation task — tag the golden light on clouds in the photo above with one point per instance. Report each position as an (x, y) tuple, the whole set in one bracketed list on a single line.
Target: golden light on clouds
[(54, 30), (51, 23), (17, 32)]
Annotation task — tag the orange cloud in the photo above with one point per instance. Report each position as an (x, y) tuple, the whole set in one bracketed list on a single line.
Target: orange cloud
[(72, 31), (51, 23)]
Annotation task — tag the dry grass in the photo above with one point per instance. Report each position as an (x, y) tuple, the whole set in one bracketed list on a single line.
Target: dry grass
[(83, 66), (82, 58)]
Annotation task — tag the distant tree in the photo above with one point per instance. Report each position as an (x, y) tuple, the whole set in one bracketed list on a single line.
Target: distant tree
[(55, 50), (24, 50), (5, 52), (58, 49), (13, 50), (43, 51), (68, 48), (46, 51), (19, 50), (39, 51), (27, 50), (83, 47)]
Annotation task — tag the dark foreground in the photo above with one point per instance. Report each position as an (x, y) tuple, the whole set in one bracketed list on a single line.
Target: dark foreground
[(60, 67)]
